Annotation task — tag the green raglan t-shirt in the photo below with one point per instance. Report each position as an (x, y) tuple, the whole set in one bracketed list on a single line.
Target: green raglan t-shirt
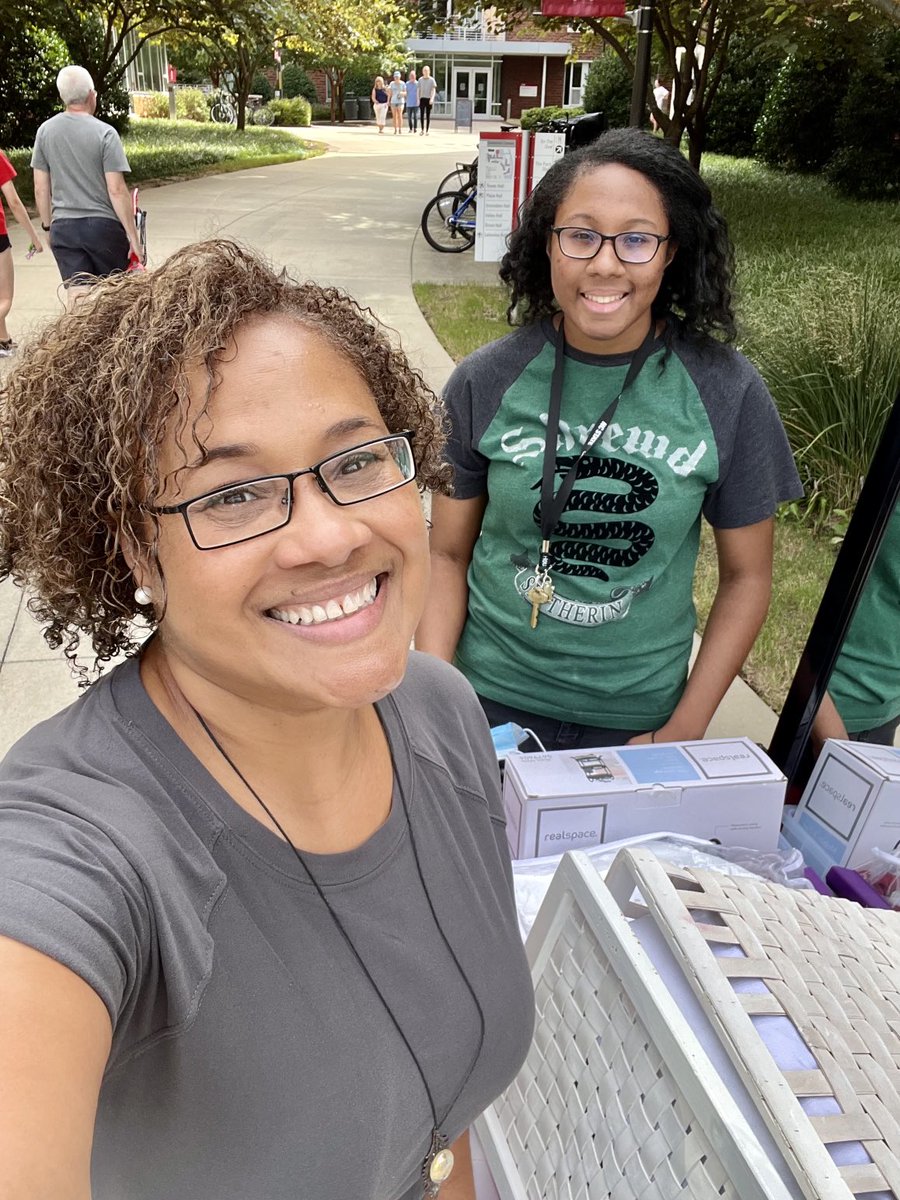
[(865, 683), (696, 432)]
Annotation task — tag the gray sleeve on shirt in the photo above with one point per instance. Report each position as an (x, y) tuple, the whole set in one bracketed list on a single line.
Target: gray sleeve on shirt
[(38, 158), (68, 892), (472, 396), (113, 152), (756, 466)]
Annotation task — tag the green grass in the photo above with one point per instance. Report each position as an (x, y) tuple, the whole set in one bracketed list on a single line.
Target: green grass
[(818, 307), (463, 318), (803, 563), (165, 151)]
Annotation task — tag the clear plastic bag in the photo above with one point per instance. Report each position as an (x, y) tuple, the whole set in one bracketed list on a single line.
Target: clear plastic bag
[(882, 871), (532, 875)]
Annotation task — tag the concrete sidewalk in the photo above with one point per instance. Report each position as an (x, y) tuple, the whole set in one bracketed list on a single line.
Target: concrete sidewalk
[(351, 218)]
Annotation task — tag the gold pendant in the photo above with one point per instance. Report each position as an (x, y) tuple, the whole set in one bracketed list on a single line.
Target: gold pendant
[(437, 1165)]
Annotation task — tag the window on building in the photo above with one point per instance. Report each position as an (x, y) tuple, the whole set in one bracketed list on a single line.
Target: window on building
[(576, 78)]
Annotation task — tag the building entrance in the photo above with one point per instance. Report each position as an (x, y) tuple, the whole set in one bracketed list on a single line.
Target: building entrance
[(472, 83)]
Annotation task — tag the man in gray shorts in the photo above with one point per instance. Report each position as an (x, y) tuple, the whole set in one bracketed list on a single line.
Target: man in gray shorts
[(80, 189)]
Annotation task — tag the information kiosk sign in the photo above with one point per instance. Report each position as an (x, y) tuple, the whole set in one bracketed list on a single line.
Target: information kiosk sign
[(502, 162), (546, 149)]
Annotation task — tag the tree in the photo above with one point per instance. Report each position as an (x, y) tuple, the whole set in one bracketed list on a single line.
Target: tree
[(333, 34), (692, 42), (106, 37), (239, 40), (31, 59)]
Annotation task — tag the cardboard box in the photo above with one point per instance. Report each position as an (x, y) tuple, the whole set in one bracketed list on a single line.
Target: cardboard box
[(850, 805), (725, 789)]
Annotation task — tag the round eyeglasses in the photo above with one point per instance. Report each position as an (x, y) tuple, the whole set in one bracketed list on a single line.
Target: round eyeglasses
[(247, 510), (633, 247)]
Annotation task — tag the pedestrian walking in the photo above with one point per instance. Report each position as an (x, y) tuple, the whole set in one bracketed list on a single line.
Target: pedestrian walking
[(397, 91), (7, 270), (380, 101), (79, 188), (412, 102), (661, 100), (427, 88)]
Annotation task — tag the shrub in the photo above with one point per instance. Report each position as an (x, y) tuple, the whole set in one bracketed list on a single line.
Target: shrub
[(745, 82), (296, 82), (190, 105), (532, 117), (322, 112), (796, 128), (261, 87), (866, 164), (151, 104), (608, 89), (291, 112), (360, 76), (828, 349)]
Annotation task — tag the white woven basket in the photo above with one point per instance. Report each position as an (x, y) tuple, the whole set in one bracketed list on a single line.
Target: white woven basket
[(616, 1100), (826, 972)]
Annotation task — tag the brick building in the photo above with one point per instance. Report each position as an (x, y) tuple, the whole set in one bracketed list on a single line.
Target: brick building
[(501, 71)]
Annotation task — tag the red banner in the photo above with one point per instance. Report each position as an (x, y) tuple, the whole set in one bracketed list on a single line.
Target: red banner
[(582, 8)]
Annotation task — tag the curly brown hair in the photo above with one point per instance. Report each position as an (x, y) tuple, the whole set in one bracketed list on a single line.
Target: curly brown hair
[(83, 416)]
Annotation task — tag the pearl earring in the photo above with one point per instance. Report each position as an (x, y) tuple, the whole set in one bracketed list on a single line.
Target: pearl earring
[(142, 596)]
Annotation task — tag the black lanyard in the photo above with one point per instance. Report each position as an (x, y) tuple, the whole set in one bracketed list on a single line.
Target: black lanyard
[(552, 507)]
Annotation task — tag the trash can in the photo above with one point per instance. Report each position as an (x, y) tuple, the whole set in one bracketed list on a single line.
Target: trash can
[(351, 108), (365, 108)]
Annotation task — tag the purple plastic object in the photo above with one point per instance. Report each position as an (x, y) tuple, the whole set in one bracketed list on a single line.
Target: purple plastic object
[(817, 881), (851, 886)]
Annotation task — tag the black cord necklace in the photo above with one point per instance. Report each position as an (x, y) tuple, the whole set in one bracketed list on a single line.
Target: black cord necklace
[(438, 1161), (553, 506)]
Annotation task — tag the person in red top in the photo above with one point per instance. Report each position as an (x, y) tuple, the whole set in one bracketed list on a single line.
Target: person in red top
[(7, 274)]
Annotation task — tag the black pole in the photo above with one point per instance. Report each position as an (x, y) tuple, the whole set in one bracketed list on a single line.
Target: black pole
[(874, 509), (642, 65)]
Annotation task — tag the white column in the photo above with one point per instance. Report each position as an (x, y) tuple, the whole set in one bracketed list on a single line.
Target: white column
[(544, 82)]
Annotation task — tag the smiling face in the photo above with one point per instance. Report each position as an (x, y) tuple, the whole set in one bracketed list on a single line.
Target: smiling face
[(319, 613), (606, 303)]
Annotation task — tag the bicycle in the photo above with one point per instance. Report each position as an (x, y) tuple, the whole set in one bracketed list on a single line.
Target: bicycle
[(259, 112), (460, 180), (223, 110), (448, 221)]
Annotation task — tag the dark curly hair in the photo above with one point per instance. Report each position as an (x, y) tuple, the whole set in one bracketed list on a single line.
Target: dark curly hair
[(84, 413), (696, 286)]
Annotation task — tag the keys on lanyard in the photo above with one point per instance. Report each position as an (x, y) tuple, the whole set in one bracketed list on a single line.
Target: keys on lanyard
[(541, 591)]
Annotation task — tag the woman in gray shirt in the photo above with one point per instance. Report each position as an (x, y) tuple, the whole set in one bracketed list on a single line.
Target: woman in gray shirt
[(257, 930)]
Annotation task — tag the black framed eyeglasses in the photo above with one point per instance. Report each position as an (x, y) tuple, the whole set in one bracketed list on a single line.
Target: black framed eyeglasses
[(249, 509), (633, 247)]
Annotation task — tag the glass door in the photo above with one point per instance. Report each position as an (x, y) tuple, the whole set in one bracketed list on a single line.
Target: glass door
[(482, 87), (474, 84)]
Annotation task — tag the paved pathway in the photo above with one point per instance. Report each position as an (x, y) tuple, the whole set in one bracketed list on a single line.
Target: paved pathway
[(350, 217)]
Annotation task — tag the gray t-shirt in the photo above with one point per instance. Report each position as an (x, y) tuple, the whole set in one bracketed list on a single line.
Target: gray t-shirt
[(78, 150), (251, 1058), (426, 87)]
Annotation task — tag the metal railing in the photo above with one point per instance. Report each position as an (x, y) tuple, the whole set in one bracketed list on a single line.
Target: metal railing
[(476, 30)]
